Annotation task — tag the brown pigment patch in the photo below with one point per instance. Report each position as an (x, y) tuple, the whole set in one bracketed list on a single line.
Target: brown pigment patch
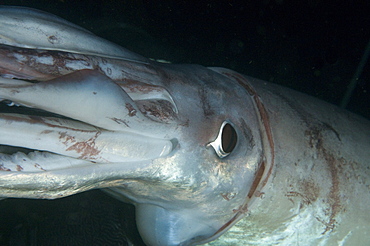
[(86, 149), (67, 139), (135, 86), (265, 169), (120, 121), (161, 110), (38, 166), (228, 196), (33, 119), (309, 192), (257, 179), (334, 196), (131, 110), (46, 132), (3, 168), (264, 121), (53, 39), (316, 141), (207, 110)]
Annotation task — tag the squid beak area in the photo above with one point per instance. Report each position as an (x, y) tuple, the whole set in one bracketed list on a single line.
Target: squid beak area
[(82, 118)]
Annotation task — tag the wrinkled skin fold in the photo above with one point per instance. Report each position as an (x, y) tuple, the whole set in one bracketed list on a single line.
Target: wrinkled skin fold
[(195, 149)]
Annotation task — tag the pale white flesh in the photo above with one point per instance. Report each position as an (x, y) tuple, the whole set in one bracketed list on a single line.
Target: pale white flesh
[(30, 28), (299, 171)]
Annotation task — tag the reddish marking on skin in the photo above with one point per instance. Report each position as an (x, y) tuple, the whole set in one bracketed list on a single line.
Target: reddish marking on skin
[(120, 121), (207, 109), (259, 194), (23, 63), (53, 39), (227, 224), (335, 206), (38, 166), (32, 119), (161, 110), (46, 132), (19, 168), (131, 110), (262, 175), (264, 117), (257, 180), (28, 63), (131, 85), (14, 64), (228, 196), (242, 209), (238, 212), (67, 138), (334, 197), (87, 148), (3, 168), (224, 196), (308, 192)]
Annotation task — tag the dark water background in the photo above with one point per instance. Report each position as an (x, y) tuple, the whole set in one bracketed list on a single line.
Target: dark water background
[(312, 46)]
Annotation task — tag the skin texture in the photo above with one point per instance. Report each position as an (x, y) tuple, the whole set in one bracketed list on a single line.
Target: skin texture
[(157, 135), (319, 189)]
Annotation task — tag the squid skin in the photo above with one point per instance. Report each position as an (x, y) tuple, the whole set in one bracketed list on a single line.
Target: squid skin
[(244, 162)]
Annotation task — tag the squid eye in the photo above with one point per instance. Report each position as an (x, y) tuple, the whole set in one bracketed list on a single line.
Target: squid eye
[(226, 140)]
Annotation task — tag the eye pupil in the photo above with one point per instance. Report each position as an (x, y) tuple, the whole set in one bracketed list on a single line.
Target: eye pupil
[(229, 138), (226, 140)]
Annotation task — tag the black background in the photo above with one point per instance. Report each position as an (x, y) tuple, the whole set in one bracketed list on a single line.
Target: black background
[(312, 46)]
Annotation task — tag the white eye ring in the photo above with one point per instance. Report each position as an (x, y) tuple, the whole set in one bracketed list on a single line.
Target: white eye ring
[(225, 141)]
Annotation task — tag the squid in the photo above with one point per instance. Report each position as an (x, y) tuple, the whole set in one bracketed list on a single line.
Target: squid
[(206, 155)]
